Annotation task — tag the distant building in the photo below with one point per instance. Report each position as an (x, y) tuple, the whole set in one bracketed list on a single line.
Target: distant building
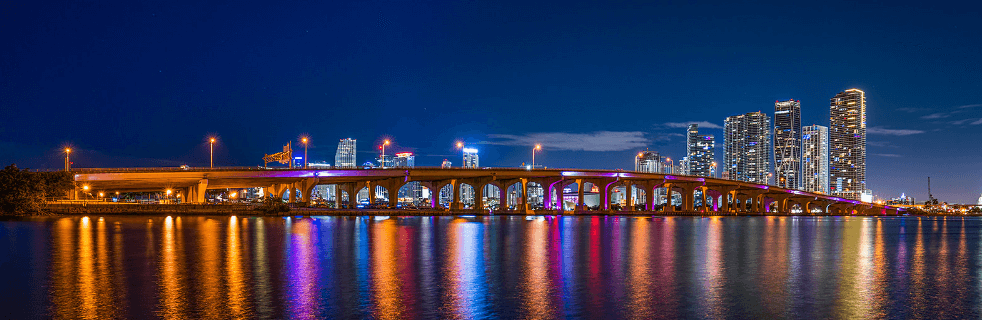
[(648, 161), (319, 164), (446, 164), (413, 191), (699, 153), (980, 200), (345, 157), (815, 159), (747, 147), (787, 144), (404, 160), (470, 158), (903, 200), (847, 144)]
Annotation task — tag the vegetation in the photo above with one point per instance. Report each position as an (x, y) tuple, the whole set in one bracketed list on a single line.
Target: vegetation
[(273, 205), (23, 192)]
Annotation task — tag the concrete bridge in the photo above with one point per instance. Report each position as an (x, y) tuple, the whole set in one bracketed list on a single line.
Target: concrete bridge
[(717, 195)]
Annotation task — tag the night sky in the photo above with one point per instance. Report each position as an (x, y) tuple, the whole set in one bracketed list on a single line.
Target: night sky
[(139, 83)]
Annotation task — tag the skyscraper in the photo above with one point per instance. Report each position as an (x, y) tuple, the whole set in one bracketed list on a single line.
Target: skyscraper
[(648, 161), (747, 147), (345, 158), (815, 158), (700, 152), (847, 144), (470, 158), (787, 143), (404, 160)]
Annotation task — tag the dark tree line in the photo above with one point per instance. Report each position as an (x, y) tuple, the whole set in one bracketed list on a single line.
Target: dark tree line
[(23, 192)]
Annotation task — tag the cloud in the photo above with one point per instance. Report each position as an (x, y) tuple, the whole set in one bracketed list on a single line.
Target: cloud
[(977, 122), (936, 116), (892, 132), (594, 141), (880, 144), (970, 106), (912, 110), (702, 124), (890, 155)]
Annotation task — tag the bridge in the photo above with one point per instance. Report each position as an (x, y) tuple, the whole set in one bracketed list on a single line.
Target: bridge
[(718, 196)]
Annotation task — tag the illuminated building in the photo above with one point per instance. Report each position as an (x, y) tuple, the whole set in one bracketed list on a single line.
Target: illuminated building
[(404, 160), (699, 153), (470, 158), (980, 200), (747, 147), (847, 144), (648, 161), (413, 191), (787, 144), (446, 164), (815, 159), (345, 158)]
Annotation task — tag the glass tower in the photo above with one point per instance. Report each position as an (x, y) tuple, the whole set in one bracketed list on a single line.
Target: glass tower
[(345, 158), (699, 153), (815, 159), (787, 143), (847, 144), (747, 147)]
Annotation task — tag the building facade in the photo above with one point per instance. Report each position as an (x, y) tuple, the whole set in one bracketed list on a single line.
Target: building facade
[(700, 153), (648, 161), (345, 157), (815, 159), (847, 144), (787, 144), (470, 158), (747, 147)]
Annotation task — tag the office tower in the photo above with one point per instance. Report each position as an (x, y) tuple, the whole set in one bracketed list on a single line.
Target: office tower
[(700, 153), (847, 144), (446, 164), (815, 159), (747, 147), (470, 158), (413, 190), (648, 161), (787, 144), (345, 158)]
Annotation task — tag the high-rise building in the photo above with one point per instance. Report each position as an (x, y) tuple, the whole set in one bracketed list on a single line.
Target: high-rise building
[(815, 159), (648, 161), (345, 158), (747, 147), (787, 144), (700, 153), (412, 191), (446, 164), (470, 158), (847, 144)]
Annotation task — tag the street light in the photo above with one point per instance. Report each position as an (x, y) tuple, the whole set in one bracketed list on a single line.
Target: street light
[(68, 163), (460, 145), (537, 147), (211, 142), (671, 165), (304, 140), (384, 143), (714, 170)]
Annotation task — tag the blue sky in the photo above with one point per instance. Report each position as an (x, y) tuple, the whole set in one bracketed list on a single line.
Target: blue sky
[(144, 84)]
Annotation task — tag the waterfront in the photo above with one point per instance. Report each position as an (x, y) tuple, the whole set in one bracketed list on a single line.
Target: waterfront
[(491, 267)]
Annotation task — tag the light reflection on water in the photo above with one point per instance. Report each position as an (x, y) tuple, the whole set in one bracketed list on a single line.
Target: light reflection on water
[(493, 267)]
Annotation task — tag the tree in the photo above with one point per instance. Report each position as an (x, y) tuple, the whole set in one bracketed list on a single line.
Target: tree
[(23, 192)]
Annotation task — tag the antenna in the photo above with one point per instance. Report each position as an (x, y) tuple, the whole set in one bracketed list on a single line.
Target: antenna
[(929, 195)]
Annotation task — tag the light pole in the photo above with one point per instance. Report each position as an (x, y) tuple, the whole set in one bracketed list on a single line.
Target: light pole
[(713, 173), (68, 163), (671, 166), (384, 143), (304, 140), (537, 147), (211, 143), (460, 145)]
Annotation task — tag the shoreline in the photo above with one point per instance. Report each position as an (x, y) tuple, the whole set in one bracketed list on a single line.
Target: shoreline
[(123, 209)]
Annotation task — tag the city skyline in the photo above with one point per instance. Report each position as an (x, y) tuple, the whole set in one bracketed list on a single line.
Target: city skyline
[(150, 88)]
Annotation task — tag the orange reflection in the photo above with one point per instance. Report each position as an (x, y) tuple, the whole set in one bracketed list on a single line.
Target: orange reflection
[(263, 289), (86, 274), (303, 270), (639, 280), (386, 284), (233, 263), (535, 284), (63, 270), (172, 295), (210, 266)]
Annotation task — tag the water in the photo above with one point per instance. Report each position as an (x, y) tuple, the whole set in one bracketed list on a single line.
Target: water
[(491, 267)]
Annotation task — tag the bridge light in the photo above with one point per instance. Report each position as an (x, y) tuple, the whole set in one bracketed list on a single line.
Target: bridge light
[(168, 192), (86, 188)]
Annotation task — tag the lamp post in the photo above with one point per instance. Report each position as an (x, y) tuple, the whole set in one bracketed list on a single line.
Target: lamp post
[(384, 143), (211, 143), (537, 147), (713, 173), (671, 166), (460, 145), (304, 140), (68, 163)]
